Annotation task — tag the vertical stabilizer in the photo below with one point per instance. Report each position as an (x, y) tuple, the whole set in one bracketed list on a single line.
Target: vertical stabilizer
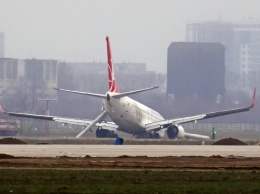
[(111, 75)]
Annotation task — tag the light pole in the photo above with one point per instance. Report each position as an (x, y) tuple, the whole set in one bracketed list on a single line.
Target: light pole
[(47, 113)]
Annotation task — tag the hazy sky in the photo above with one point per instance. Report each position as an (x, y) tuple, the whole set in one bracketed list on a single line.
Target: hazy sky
[(139, 30)]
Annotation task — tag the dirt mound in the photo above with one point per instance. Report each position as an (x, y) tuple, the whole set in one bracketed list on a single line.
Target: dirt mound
[(229, 141), (6, 156), (10, 140)]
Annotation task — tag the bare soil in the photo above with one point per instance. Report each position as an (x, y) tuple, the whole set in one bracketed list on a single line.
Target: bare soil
[(10, 140), (214, 162), (229, 141), (126, 162)]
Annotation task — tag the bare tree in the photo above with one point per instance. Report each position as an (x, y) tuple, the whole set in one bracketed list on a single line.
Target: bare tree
[(24, 98)]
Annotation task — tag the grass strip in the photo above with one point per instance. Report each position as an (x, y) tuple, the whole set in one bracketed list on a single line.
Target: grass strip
[(128, 181)]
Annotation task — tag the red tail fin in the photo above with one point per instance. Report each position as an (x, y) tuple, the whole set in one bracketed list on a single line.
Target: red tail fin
[(111, 76)]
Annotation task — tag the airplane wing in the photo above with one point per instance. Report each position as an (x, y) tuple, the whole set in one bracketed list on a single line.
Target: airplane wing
[(166, 123), (82, 122), (195, 136)]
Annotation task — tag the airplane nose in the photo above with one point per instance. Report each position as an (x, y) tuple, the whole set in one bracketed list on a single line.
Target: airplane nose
[(108, 97)]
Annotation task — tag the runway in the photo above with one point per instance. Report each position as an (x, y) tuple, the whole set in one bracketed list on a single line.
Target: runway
[(129, 150)]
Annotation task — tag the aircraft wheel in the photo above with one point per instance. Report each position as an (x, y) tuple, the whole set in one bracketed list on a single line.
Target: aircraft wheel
[(103, 133)]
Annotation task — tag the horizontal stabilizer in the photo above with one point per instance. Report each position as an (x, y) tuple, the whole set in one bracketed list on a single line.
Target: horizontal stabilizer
[(83, 93), (133, 92)]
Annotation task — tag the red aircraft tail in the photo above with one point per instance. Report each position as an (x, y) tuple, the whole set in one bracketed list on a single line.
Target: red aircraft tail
[(111, 75)]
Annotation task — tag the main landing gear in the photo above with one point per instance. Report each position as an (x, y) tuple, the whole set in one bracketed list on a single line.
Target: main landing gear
[(103, 133)]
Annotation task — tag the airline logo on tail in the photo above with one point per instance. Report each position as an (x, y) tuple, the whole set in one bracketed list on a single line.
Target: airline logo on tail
[(111, 76)]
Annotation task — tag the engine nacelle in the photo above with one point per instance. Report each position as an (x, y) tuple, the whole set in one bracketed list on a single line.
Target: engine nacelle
[(175, 131)]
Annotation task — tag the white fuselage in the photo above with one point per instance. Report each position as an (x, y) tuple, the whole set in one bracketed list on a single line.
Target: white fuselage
[(130, 115)]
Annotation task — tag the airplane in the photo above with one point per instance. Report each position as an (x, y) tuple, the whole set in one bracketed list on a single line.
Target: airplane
[(129, 115)]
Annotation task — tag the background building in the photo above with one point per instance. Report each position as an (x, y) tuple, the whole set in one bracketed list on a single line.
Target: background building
[(247, 46), (42, 74), (196, 70), (37, 75), (234, 36), (250, 64), (129, 76), (242, 47), (214, 32), (8, 74), (85, 67)]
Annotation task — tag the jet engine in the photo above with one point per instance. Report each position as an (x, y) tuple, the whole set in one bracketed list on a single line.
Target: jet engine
[(175, 131)]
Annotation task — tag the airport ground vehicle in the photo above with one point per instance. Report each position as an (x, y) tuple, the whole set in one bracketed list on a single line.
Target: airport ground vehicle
[(8, 128)]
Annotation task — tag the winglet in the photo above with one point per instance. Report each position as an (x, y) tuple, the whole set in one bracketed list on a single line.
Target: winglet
[(1, 109), (253, 102)]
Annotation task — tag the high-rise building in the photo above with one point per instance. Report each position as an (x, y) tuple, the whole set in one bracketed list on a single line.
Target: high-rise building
[(247, 48), (196, 70), (2, 45), (38, 71), (214, 32), (241, 41)]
